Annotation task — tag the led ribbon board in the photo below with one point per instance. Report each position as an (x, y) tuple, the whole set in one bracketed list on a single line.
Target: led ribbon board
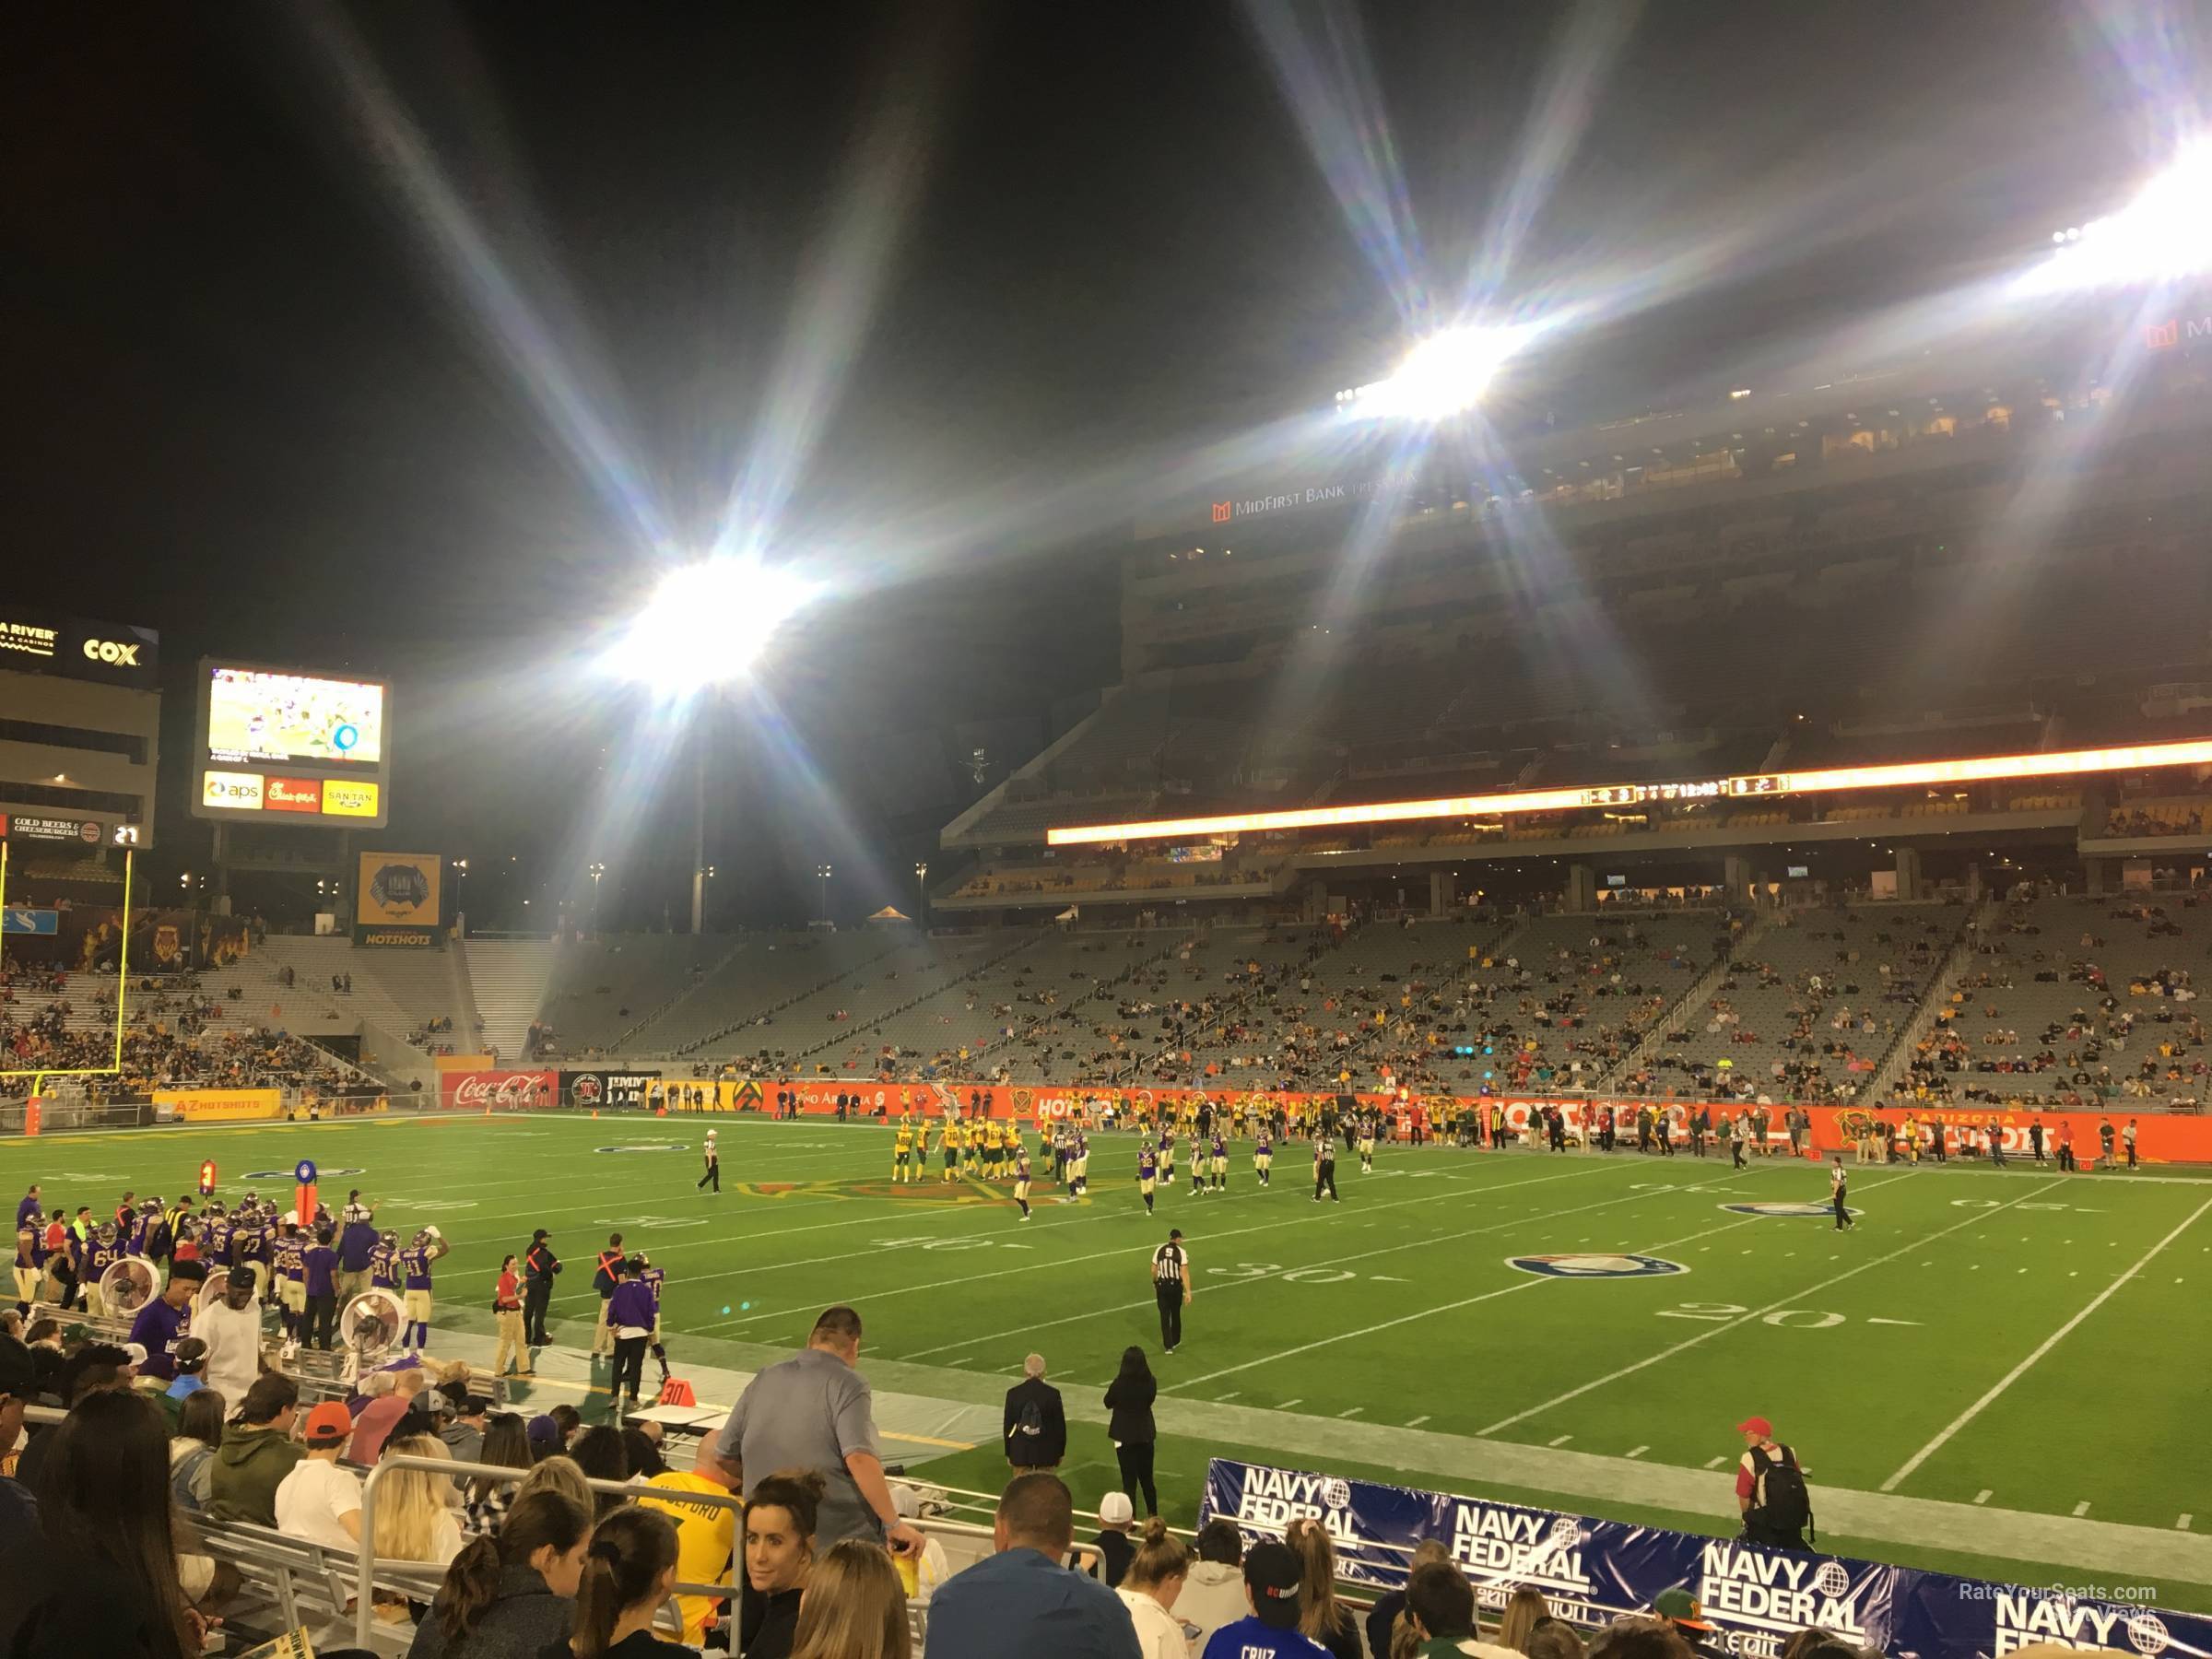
[(1910, 775)]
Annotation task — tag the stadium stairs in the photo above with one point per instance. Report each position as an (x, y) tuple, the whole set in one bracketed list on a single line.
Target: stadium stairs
[(859, 972), (1890, 1074), (851, 1031), (506, 981), (1700, 990), (764, 976)]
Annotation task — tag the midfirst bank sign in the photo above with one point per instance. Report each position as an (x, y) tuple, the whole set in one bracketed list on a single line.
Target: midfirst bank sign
[(1235, 511)]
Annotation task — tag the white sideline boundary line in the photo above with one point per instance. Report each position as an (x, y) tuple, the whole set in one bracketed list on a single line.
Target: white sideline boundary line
[(1527, 1284), (1707, 1334), (1264, 1277), (2048, 1343)]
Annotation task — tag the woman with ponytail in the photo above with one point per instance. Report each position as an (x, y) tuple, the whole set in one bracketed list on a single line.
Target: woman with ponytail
[(1320, 1614), (627, 1575), (1149, 1590), (854, 1606), (510, 1596)]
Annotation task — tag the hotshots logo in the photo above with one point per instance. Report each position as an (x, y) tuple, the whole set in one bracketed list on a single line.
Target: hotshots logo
[(1763, 1598)]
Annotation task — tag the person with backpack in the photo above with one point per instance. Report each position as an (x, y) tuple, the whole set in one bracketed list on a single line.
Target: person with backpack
[(1771, 1491), (1036, 1422)]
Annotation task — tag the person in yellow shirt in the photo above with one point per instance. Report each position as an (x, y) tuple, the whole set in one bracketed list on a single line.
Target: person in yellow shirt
[(705, 1532), (902, 1152), (949, 1144)]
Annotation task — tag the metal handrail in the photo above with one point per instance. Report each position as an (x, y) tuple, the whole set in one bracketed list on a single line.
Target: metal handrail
[(364, 1592)]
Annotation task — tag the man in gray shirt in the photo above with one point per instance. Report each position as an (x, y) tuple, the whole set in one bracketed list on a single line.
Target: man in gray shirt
[(814, 1411)]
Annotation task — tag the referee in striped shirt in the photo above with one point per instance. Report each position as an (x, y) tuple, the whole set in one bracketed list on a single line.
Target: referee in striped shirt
[(1171, 1286)]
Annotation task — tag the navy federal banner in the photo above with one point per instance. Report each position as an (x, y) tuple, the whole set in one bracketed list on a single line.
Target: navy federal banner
[(396, 899)]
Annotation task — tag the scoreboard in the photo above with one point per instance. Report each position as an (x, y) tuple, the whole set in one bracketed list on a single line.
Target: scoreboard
[(292, 746)]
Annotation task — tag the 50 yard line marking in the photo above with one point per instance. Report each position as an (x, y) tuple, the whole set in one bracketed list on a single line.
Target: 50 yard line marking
[(2048, 1343), (1789, 1301)]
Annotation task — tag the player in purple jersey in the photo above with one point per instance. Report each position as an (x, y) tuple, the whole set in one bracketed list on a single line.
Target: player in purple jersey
[(415, 1283), (1147, 1172), (654, 1278)]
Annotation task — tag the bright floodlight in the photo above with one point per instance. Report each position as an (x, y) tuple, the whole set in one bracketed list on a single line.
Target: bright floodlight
[(2164, 234), (708, 623), (1441, 376)]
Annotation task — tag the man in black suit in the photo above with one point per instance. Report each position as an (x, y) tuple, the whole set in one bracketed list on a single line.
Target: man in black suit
[(1036, 1428)]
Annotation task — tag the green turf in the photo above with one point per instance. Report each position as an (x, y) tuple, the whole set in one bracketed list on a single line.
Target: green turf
[(1397, 1305)]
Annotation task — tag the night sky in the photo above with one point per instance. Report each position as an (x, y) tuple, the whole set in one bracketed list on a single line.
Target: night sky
[(255, 403)]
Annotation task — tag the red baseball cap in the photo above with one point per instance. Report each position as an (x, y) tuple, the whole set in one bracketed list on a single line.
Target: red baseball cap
[(1758, 1425), (327, 1424)]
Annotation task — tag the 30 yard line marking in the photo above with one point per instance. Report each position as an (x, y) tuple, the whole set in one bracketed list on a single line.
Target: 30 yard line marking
[(1756, 1313), (2048, 1343)]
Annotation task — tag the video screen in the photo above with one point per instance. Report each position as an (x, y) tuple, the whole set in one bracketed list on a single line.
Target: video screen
[(260, 714)]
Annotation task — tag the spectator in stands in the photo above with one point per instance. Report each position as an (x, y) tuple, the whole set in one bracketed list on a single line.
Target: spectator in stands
[(1036, 1422), (642, 1447), (1383, 1618), (1556, 1639), (1523, 1607), (1272, 1576), (1319, 1616), (192, 1450), (815, 1411), (1640, 1638), (1440, 1606), (1150, 1587), (855, 1608), (600, 1453), (505, 1447), (1020, 1601), (257, 1452), (1116, 1516), (414, 1518), (779, 1556), (1214, 1593), (556, 1475), (319, 1501), (104, 1511), (230, 1326), (512, 1597), (627, 1572), (705, 1532), (191, 1363), (1680, 1609), (373, 1427), (463, 1437), (18, 1510)]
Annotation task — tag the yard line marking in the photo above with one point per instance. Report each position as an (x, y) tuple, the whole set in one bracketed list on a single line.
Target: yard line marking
[(2183, 1524), (1418, 1421), (1636, 1451), (2082, 1508), (2050, 1342), (1287, 1404), (1351, 1411), (1232, 1283), (1712, 1331), (1563, 1440), (1981, 1496), (1715, 1462), (1896, 1322), (1219, 1399), (1530, 1284), (1071, 1261)]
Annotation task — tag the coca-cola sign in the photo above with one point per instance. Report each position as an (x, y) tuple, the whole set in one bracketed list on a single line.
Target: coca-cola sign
[(495, 1091)]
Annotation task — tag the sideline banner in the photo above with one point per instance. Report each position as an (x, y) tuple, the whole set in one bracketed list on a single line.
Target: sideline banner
[(586, 1089), (215, 1105), (497, 1091), (1593, 1571), (2162, 1137)]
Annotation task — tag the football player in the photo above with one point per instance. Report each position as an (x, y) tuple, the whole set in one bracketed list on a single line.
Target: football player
[(1021, 1179), (902, 1150), (1263, 1152), (415, 1279)]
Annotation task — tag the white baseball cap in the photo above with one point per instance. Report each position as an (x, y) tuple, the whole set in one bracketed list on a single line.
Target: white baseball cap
[(1115, 1510)]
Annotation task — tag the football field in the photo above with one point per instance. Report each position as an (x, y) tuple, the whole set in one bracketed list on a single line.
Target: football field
[(2026, 1350)]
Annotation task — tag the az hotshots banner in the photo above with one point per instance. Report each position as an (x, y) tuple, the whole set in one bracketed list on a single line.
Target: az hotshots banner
[(1592, 1572)]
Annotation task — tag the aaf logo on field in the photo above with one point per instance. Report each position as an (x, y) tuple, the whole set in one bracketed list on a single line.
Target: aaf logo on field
[(1590, 1266), (1792, 1210)]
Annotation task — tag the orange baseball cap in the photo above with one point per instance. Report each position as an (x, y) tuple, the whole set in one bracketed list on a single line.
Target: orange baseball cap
[(328, 1423)]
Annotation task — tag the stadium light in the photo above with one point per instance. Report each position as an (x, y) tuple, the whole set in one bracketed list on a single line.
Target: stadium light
[(707, 624), (2163, 234), (1441, 375)]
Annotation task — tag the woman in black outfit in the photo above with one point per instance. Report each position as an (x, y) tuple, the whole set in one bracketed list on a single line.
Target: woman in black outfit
[(1129, 1398)]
